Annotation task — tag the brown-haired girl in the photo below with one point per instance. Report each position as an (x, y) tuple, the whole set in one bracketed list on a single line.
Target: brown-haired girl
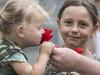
[(77, 23)]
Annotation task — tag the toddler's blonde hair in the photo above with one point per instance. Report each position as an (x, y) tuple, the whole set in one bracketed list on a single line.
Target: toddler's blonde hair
[(16, 12)]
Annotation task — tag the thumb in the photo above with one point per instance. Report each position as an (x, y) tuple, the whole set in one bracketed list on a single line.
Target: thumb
[(56, 51)]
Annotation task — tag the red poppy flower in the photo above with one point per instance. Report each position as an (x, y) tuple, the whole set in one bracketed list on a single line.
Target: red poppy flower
[(47, 35), (79, 50)]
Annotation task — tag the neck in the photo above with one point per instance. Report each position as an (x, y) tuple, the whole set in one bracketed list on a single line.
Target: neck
[(15, 39)]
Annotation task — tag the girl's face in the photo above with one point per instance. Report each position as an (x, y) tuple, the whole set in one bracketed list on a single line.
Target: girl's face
[(76, 26), (33, 32)]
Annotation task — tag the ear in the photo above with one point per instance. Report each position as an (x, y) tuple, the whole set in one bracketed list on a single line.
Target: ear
[(20, 30), (58, 22), (95, 29)]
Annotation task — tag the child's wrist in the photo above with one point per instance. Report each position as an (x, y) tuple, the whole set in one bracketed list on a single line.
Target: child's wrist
[(43, 55), (44, 58), (47, 54)]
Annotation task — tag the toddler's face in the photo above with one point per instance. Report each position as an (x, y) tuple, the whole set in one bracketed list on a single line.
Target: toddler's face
[(76, 26), (33, 32)]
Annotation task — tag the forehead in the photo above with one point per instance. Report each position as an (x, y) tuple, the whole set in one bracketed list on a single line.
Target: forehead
[(76, 11), (37, 18)]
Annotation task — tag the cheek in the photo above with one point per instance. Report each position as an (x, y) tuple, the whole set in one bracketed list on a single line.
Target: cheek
[(64, 29), (34, 37), (64, 32), (86, 33), (32, 34), (38, 34)]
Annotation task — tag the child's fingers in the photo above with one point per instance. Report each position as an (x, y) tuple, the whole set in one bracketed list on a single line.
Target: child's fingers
[(74, 73), (49, 43)]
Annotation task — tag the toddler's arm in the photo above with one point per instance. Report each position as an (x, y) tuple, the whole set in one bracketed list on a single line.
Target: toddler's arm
[(39, 67)]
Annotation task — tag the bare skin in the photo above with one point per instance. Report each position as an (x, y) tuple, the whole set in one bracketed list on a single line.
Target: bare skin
[(74, 62), (39, 67)]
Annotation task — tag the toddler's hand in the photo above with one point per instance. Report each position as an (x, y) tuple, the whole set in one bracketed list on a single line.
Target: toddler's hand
[(46, 48)]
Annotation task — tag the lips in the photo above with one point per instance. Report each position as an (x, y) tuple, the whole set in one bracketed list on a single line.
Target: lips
[(74, 37)]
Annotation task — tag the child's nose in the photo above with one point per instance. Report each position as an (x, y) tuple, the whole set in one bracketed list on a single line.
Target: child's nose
[(75, 29)]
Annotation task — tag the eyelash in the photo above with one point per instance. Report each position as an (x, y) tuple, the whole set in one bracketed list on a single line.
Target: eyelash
[(68, 23), (81, 24), (84, 25)]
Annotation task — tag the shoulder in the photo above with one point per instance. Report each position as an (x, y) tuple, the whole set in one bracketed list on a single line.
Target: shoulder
[(17, 57), (10, 52)]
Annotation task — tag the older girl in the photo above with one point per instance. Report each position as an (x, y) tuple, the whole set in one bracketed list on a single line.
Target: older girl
[(77, 23)]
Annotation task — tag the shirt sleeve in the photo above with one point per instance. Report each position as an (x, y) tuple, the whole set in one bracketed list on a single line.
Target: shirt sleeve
[(15, 57)]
